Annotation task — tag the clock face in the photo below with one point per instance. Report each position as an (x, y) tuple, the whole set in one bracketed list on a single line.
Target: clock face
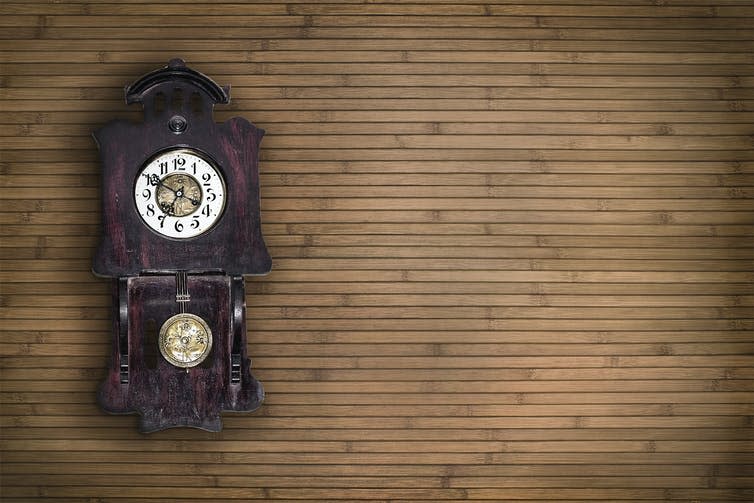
[(185, 340), (180, 194)]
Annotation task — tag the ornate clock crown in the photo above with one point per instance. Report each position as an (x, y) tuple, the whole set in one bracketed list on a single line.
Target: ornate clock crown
[(178, 90), (176, 72)]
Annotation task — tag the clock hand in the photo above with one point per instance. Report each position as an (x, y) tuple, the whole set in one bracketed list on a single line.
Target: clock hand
[(166, 208), (155, 181), (194, 202), (181, 193), (178, 193), (169, 208), (160, 183)]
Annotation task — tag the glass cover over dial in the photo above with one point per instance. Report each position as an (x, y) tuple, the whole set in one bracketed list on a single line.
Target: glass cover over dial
[(185, 340), (180, 194)]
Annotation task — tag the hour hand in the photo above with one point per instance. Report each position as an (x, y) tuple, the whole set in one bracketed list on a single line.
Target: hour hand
[(168, 208), (182, 193), (155, 180)]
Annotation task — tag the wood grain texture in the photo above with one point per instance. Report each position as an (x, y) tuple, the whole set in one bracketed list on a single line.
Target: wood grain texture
[(512, 250)]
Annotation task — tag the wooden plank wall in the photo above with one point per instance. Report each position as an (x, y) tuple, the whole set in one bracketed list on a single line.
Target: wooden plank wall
[(512, 250)]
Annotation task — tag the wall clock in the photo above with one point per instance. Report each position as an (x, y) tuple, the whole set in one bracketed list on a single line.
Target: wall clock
[(181, 229)]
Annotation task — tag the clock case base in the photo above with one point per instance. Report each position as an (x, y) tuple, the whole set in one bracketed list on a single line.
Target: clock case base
[(139, 380)]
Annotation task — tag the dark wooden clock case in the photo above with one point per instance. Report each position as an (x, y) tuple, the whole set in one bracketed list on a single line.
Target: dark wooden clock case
[(178, 104)]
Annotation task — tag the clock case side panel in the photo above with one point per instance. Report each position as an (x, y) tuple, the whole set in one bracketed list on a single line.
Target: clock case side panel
[(112, 395), (244, 393), (117, 168), (239, 142)]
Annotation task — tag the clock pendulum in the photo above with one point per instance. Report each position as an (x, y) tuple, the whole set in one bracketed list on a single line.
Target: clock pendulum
[(185, 339), (181, 229)]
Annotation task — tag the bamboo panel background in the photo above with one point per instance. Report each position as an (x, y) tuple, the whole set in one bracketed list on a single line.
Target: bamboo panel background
[(512, 250)]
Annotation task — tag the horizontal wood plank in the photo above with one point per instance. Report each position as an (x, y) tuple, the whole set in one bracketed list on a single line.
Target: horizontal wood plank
[(512, 248)]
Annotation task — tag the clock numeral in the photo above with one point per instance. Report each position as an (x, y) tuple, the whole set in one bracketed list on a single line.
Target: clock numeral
[(152, 179), (178, 226), (146, 193), (161, 218), (206, 211), (194, 166), (210, 194), (179, 164), (164, 168), (150, 210), (206, 177), (195, 222)]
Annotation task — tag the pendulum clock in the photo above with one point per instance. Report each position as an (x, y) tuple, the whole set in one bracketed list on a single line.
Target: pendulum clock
[(181, 229)]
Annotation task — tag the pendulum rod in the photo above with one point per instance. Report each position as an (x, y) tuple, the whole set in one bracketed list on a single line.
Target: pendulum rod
[(182, 296)]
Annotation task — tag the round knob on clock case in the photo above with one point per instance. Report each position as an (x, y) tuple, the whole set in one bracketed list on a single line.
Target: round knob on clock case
[(178, 124)]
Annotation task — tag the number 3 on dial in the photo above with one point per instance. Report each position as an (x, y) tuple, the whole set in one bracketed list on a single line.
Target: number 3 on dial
[(179, 194)]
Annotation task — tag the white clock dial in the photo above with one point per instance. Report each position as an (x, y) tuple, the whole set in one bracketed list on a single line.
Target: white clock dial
[(180, 194)]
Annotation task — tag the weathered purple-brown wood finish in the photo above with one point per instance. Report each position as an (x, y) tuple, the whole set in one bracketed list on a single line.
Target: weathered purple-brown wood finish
[(178, 104)]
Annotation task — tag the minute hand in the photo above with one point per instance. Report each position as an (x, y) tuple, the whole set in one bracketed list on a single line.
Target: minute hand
[(182, 193)]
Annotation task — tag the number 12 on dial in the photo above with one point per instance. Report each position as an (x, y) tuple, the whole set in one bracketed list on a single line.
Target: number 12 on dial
[(179, 194)]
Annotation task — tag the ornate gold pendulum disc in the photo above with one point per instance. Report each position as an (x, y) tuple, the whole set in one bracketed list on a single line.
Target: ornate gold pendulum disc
[(185, 340)]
